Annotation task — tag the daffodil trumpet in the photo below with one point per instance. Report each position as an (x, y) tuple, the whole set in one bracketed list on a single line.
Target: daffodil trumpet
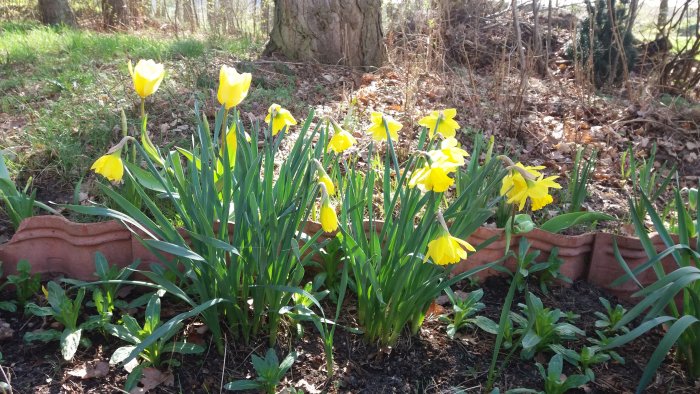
[(446, 249), (341, 139), (329, 219), (110, 165), (324, 179)]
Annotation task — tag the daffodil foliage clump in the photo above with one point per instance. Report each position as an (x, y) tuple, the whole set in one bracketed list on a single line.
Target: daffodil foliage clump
[(240, 255)]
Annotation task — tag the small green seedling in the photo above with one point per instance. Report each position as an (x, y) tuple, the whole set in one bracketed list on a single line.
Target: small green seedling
[(18, 204), (270, 372), (330, 268), (554, 381), (306, 301), (550, 271), (610, 319), (602, 342), (463, 311), (104, 292), (540, 327), (587, 357), (130, 331), (65, 311), (26, 284)]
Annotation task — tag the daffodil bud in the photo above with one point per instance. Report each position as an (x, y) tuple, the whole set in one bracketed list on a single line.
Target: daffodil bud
[(147, 76), (233, 87)]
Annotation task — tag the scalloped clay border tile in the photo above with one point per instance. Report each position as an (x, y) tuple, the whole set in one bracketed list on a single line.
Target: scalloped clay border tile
[(604, 268), (54, 245)]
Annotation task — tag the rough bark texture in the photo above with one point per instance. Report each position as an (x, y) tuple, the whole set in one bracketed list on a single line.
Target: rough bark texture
[(115, 14), (329, 31), (56, 12), (663, 15)]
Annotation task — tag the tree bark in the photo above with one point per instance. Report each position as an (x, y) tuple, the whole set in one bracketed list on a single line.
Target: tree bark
[(115, 14), (57, 12), (329, 31), (663, 15)]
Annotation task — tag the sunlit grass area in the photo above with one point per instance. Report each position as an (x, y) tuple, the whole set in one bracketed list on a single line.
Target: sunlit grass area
[(66, 86)]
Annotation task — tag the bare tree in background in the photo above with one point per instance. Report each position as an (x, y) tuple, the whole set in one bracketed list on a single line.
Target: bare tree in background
[(56, 12), (115, 14), (663, 15), (329, 31)]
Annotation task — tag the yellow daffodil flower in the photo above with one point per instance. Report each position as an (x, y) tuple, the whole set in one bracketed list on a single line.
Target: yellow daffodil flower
[(446, 249), (147, 76), (449, 153), (514, 182), (441, 122), (329, 219), (341, 139), (328, 183), (231, 145), (279, 117), (233, 87), (526, 182), (110, 166), (377, 129), (432, 177)]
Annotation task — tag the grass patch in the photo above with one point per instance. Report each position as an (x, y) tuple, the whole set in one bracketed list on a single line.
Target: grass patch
[(68, 85)]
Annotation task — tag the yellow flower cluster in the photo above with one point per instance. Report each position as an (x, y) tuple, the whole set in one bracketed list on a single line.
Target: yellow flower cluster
[(521, 183), (434, 175), (525, 182), (233, 88)]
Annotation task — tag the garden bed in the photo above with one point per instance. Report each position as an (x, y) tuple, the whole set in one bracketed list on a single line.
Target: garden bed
[(429, 362)]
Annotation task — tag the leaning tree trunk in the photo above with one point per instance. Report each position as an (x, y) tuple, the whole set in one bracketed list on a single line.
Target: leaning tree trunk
[(56, 12), (329, 31), (115, 14)]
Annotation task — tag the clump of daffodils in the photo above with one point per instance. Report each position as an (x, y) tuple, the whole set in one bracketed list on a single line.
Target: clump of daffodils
[(446, 249), (527, 182), (434, 175)]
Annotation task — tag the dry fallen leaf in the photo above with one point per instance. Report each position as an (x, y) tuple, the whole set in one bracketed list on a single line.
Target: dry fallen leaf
[(434, 310), (153, 378), (90, 370), (307, 387)]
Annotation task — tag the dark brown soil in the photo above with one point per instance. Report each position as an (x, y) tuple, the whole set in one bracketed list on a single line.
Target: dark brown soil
[(429, 362)]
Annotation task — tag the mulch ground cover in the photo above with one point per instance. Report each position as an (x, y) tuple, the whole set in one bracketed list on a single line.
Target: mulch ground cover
[(428, 362)]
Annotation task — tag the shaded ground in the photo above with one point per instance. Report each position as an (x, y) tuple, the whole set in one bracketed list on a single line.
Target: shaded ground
[(430, 362)]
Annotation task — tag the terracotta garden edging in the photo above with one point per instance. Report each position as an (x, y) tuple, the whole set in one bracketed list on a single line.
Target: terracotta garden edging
[(56, 246), (575, 250), (605, 269)]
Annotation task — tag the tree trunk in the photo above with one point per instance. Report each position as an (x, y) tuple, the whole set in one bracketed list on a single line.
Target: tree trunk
[(329, 31), (663, 15), (115, 14), (57, 12)]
